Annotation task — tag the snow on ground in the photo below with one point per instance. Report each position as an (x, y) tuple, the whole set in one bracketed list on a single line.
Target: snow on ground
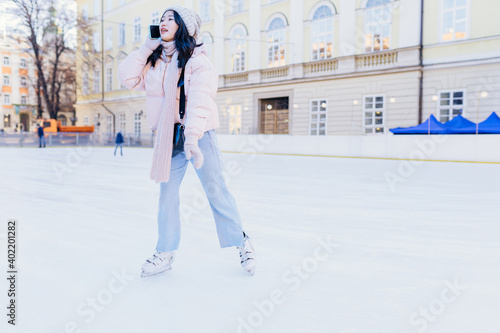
[(338, 249)]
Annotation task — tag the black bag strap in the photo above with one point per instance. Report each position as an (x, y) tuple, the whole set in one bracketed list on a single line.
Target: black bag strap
[(182, 102)]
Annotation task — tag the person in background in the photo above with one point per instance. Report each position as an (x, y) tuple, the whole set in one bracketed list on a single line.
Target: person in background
[(119, 142), (41, 136)]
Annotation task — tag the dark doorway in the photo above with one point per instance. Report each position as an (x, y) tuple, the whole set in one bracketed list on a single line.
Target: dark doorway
[(24, 120), (274, 115)]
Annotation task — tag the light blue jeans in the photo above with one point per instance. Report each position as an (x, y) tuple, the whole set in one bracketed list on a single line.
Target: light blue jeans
[(225, 212)]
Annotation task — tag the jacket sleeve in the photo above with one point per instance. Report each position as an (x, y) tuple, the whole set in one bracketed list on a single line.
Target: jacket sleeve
[(202, 90), (131, 71)]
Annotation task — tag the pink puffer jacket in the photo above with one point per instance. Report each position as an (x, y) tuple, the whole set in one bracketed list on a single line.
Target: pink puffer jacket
[(201, 81)]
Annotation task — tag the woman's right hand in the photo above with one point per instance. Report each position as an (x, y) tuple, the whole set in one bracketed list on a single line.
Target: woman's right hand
[(152, 44)]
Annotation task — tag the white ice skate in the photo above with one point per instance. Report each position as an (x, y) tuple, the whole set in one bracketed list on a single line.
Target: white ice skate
[(247, 255), (158, 263)]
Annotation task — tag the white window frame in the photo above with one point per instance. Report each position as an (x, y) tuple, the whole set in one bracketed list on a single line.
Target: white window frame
[(122, 124), (24, 100), (322, 37), (97, 81), (6, 99), (6, 80), (6, 61), (276, 41), (85, 83), (318, 115), (109, 78), (367, 25), (109, 124), (205, 13), (85, 120), (23, 80), (23, 63), (238, 6), (234, 118), (96, 120), (137, 29), (97, 7), (374, 110), (155, 18), (121, 34), (85, 11), (238, 49), (450, 107), (108, 33), (109, 5), (442, 12), (96, 41), (208, 41), (137, 124)]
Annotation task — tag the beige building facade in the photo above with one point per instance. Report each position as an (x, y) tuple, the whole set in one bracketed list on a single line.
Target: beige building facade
[(309, 67)]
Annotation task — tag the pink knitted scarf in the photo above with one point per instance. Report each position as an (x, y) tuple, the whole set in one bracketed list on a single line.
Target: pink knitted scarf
[(162, 153)]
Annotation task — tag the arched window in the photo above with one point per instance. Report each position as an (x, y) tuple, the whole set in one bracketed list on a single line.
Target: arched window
[(322, 33), (238, 46), (378, 21), (208, 42), (276, 43)]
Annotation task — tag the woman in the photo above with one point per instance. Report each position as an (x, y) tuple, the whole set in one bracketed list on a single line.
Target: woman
[(156, 68)]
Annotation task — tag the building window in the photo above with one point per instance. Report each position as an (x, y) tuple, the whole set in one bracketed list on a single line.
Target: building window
[(6, 121), (208, 41), (85, 12), (374, 114), (155, 18), (6, 61), (6, 99), (238, 50), (322, 34), (237, 6), (97, 81), (122, 123), (85, 83), (6, 80), (97, 7), (85, 120), (234, 119), (109, 124), (317, 118), (109, 38), (121, 34), (96, 120), (109, 78), (137, 124), (205, 10), (24, 100), (24, 81), (97, 41), (276, 43), (23, 63), (109, 5), (451, 104), (137, 29), (454, 19), (378, 21)]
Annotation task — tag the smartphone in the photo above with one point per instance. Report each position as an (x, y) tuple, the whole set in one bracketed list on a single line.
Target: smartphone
[(154, 31)]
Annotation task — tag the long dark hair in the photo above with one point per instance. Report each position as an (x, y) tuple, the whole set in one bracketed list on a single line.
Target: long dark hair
[(184, 43)]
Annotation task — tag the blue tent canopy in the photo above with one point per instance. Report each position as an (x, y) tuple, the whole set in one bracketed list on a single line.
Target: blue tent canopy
[(458, 123), (490, 126), (430, 126)]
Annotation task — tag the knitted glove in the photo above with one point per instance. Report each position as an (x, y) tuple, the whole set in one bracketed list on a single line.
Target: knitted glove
[(192, 150), (152, 44)]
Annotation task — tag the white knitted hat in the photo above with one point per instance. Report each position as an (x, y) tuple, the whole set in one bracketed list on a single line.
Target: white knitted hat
[(191, 19)]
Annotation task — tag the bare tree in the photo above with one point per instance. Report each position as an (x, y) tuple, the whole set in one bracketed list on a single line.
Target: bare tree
[(46, 36)]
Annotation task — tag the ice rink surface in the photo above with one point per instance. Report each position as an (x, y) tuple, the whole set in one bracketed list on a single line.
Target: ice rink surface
[(339, 248)]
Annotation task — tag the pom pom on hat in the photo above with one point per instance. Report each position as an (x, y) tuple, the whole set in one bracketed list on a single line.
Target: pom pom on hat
[(190, 18)]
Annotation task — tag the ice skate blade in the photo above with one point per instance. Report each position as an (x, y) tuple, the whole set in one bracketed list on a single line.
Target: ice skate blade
[(146, 274)]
